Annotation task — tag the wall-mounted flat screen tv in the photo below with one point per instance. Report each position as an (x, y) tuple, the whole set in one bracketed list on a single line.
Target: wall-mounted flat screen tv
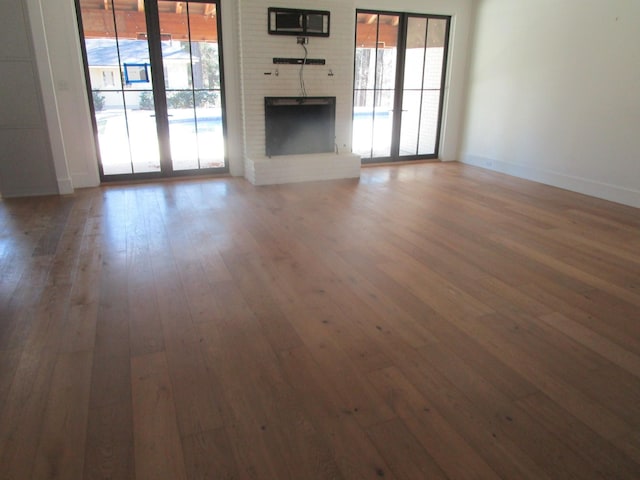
[(293, 21)]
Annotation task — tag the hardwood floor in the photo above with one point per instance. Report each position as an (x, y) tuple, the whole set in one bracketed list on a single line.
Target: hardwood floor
[(429, 321)]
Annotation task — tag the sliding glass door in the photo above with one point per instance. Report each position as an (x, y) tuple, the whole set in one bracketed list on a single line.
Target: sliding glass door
[(156, 88), (399, 78)]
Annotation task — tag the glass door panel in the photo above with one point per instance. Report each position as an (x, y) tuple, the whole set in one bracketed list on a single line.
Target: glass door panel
[(429, 122), (118, 64), (375, 82), (363, 123), (424, 63), (434, 58), (414, 53), (208, 88), (192, 80), (412, 88), (410, 122), (382, 123)]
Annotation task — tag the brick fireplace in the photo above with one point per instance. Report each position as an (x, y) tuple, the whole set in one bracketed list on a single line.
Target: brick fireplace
[(261, 78)]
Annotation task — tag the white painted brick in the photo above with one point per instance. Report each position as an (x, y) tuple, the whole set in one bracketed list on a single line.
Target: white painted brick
[(302, 168), (256, 57)]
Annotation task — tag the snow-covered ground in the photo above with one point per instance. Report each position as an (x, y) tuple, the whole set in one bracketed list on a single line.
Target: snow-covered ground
[(132, 140)]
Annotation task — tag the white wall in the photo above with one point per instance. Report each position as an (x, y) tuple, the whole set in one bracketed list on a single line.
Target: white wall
[(61, 40), (553, 94), (26, 157), (461, 12)]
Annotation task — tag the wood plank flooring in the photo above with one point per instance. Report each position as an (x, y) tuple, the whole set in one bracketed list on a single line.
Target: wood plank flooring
[(433, 321)]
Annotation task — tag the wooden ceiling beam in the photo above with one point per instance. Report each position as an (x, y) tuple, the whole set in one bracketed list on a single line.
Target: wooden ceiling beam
[(99, 24), (366, 35)]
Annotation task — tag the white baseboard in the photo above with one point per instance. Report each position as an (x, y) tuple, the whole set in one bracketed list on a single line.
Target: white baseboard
[(585, 186), (65, 186), (84, 180)]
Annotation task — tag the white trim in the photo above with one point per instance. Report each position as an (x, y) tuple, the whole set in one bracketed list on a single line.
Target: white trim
[(585, 186), (65, 186), (49, 100), (232, 87), (84, 180)]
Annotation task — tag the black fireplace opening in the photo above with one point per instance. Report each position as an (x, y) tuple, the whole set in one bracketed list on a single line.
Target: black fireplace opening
[(297, 125)]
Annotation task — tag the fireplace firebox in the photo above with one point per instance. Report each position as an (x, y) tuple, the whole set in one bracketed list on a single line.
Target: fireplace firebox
[(299, 125)]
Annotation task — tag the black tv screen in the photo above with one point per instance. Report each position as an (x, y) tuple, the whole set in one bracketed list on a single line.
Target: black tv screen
[(290, 21), (315, 23)]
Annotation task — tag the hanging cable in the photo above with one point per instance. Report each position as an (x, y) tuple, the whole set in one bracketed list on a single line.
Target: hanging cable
[(303, 88)]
